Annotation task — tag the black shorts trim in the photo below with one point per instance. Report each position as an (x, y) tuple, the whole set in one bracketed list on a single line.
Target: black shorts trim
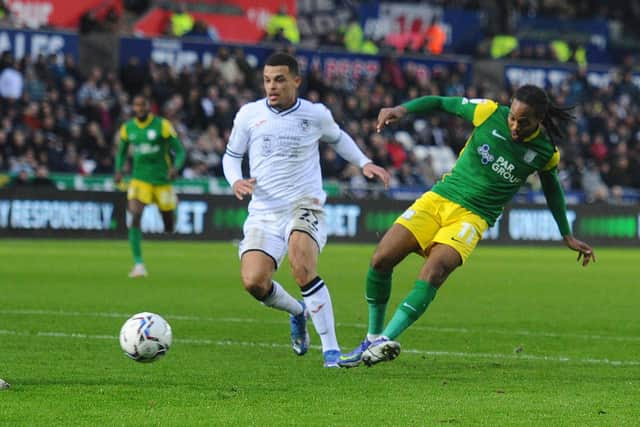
[(305, 232), (275, 263)]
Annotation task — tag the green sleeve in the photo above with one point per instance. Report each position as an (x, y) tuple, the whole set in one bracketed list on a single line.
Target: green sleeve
[(450, 104), (555, 199), (178, 150), (121, 155)]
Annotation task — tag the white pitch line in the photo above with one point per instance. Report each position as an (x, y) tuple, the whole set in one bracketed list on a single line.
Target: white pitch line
[(439, 329), (459, 354)]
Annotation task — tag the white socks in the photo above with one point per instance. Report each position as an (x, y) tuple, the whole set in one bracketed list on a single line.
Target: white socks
[(282, 300), (318, 301)]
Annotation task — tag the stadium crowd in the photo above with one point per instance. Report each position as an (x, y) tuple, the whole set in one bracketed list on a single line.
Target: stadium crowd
[(53, 117)]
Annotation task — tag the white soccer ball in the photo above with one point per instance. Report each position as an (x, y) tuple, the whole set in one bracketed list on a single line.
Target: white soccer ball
[(145, 337)]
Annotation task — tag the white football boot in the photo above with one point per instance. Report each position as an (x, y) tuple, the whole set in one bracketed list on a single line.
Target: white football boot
[(138, 271)]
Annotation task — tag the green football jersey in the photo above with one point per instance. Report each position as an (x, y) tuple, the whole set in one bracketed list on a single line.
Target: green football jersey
[(492, 167), (151, 141)]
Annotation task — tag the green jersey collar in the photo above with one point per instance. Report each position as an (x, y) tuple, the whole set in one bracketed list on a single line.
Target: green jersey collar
[(533, 135), (145, 123)]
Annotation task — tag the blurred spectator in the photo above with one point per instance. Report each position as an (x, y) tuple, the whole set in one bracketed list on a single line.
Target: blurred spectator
[(502, 45), (11, 80), (6, 20), (353, 36), (136, 6), (283, 27), (435, 37), (203, 30), (226, 65), (181, 20), (356, 42), (42, 179), (595, 188), (133, 76), (21, 177)]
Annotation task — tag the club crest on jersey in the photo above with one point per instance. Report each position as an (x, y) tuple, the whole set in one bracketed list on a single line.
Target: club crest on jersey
[(529, 156), (485, 156), (267, 145), (304, 125), (151, 134)]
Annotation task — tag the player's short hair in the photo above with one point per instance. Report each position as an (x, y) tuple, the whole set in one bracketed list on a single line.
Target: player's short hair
[(144, 97), (281, 58)]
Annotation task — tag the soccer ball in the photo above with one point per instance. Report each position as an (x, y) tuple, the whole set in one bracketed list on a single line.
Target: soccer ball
[(145, 337)]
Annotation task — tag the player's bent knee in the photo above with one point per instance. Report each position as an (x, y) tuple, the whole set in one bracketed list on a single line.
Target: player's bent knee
[(438, 273), (381, 261), (258, 285), (257, 290)]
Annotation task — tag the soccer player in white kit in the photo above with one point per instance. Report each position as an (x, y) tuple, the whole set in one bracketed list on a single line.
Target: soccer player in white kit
[(281, 135)]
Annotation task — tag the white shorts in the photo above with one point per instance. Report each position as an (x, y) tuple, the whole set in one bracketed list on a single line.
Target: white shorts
[(269, 231)]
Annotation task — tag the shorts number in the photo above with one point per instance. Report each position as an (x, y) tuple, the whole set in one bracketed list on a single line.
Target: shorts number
[(467, 233), (310, 218)]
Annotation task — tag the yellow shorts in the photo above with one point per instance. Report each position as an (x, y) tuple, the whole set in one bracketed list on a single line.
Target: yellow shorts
[(161, 195), (434, 219)]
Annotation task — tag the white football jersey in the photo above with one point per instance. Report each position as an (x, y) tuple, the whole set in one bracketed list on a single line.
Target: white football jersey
[(283, 151)]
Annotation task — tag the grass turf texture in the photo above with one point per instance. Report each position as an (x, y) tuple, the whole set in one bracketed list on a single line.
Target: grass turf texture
[(517, 336)]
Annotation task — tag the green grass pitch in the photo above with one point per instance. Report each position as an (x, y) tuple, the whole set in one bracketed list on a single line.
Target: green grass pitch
[(518, 336)]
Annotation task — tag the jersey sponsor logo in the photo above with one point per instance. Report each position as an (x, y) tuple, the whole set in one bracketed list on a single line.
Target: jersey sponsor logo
[(529, 156), (146, 149), (497, 135), (501, 166), (485, 156), (505, 169), (152, 134)]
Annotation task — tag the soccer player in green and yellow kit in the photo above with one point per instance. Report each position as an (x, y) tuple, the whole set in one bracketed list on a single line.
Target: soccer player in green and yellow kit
[(152, 138), (446, 223)]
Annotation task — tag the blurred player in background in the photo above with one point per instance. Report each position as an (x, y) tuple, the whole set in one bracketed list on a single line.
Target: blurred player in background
[(153, 139), (445, 224), (281, 133)]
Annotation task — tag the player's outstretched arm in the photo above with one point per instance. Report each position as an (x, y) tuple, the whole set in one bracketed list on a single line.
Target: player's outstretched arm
[(555, 201), (585, 252)]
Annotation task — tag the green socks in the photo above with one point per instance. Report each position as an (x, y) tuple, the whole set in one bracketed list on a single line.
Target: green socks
[(135, 238), (410, 309), (377, 294)]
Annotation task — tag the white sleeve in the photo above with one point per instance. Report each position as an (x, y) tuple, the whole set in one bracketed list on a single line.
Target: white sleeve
[(344, 145), (236, 148), (347, 148), (328, 127)]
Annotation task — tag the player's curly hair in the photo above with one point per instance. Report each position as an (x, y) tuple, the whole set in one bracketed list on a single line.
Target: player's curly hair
[(554, 118)]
